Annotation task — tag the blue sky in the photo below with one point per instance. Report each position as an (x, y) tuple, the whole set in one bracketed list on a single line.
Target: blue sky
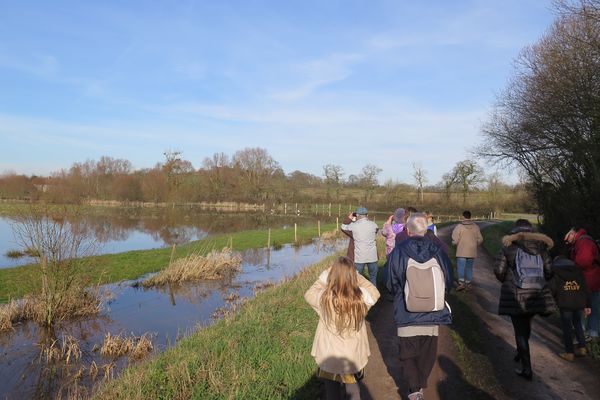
[(314, 82)]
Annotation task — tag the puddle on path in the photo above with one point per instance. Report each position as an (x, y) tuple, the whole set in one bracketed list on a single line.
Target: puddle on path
[(167, 314)]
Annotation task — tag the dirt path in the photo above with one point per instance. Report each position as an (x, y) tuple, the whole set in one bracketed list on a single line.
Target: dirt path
[(553, 377)]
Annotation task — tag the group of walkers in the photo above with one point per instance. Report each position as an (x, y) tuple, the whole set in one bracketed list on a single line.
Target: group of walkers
[(534, 284), (418, 275)]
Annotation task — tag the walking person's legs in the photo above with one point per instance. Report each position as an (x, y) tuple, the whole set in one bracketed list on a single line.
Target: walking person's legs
[(579, 334), (427, 358), (461, 263), (372, 266), (594, 317), (522, 328), (468, 272), (352, 391), (360, 267), (409, 367), (333, 390), (566, 319)]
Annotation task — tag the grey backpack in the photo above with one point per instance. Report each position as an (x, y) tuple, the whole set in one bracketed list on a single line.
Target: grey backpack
[(529, 270), (425, 287)]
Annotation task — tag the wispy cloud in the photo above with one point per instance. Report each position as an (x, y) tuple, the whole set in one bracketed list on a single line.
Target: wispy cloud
[(318, 73)]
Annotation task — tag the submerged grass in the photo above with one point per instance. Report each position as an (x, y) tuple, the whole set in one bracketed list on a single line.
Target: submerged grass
[(119, 345), (262, 352), (75, 304), (16, 282), (214, 265)]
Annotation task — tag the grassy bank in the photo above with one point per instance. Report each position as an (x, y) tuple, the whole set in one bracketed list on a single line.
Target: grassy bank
[(261, 352), (16, 282)]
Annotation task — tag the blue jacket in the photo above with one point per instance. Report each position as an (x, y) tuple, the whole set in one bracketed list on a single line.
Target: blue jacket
[(420, 249)]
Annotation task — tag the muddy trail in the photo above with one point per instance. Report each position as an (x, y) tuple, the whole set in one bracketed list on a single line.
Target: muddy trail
[(488, 360)]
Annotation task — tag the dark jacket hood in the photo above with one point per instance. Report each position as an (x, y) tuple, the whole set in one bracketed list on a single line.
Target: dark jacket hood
[(565, 269), (531, 242), (420, 249)]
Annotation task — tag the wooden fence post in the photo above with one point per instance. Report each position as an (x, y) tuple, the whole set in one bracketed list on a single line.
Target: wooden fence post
[(269, 239), (330, 209), (337, 224), (295, 232), (319, 227)]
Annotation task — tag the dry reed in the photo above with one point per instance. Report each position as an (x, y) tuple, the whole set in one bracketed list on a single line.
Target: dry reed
[(143, 347), (120, 345), (214, 265), (108, 370), (66, 351), (116, 345), (93, 370), (78, 303), (9, 314)]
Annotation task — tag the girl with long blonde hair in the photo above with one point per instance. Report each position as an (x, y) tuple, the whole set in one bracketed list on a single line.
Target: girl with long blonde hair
[(341, 297)]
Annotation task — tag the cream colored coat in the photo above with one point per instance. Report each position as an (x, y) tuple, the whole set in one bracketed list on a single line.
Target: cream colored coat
[(466, 236), (335, 353)]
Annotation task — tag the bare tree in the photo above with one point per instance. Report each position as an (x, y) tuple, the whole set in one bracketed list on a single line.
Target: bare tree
[(420, 176), (369, 179), (60, 249), (175, 168), (257, 167), (334, 175), (215, 167), (547, 121), (465, 176)]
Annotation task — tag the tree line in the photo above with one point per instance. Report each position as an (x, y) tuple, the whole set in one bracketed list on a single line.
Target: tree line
[(253, 175)]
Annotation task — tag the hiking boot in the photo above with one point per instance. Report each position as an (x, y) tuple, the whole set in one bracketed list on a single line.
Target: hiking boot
[(460, 286), (468, 287), (567, 356), (581, 352), (526, 374)]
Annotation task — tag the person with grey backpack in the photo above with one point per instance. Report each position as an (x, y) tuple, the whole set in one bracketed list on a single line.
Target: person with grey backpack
[(419, 278), (524, 267)]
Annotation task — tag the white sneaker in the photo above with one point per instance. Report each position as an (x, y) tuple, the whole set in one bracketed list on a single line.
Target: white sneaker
[(416, 395)]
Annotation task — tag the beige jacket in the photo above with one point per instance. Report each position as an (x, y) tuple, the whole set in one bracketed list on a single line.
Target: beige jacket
[(466, 236), (335, 353)]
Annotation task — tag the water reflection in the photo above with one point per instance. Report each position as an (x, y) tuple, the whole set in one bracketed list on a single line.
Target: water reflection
[(169, 313), (124, 230)]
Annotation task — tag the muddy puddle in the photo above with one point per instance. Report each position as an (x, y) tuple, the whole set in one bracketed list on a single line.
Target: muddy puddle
[(168, 314)]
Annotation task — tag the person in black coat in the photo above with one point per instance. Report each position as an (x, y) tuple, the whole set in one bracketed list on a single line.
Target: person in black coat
[(573, 300), (518, 303)]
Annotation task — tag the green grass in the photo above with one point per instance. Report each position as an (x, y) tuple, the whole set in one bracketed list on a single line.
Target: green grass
[(261, 352), (492, 236), (18, 281)]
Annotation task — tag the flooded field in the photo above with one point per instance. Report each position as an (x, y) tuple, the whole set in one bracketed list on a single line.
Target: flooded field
[(165, 314), (124, 230)]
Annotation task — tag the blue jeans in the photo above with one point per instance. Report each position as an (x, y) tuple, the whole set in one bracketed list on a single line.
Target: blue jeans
[(372, 266), (464, 268), (591, 324)]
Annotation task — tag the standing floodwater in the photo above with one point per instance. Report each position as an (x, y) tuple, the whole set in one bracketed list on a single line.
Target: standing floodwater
[(168, 313), (122, 230)]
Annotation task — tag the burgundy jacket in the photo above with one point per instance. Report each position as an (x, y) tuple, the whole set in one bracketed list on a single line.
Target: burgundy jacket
[(350, 252)]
